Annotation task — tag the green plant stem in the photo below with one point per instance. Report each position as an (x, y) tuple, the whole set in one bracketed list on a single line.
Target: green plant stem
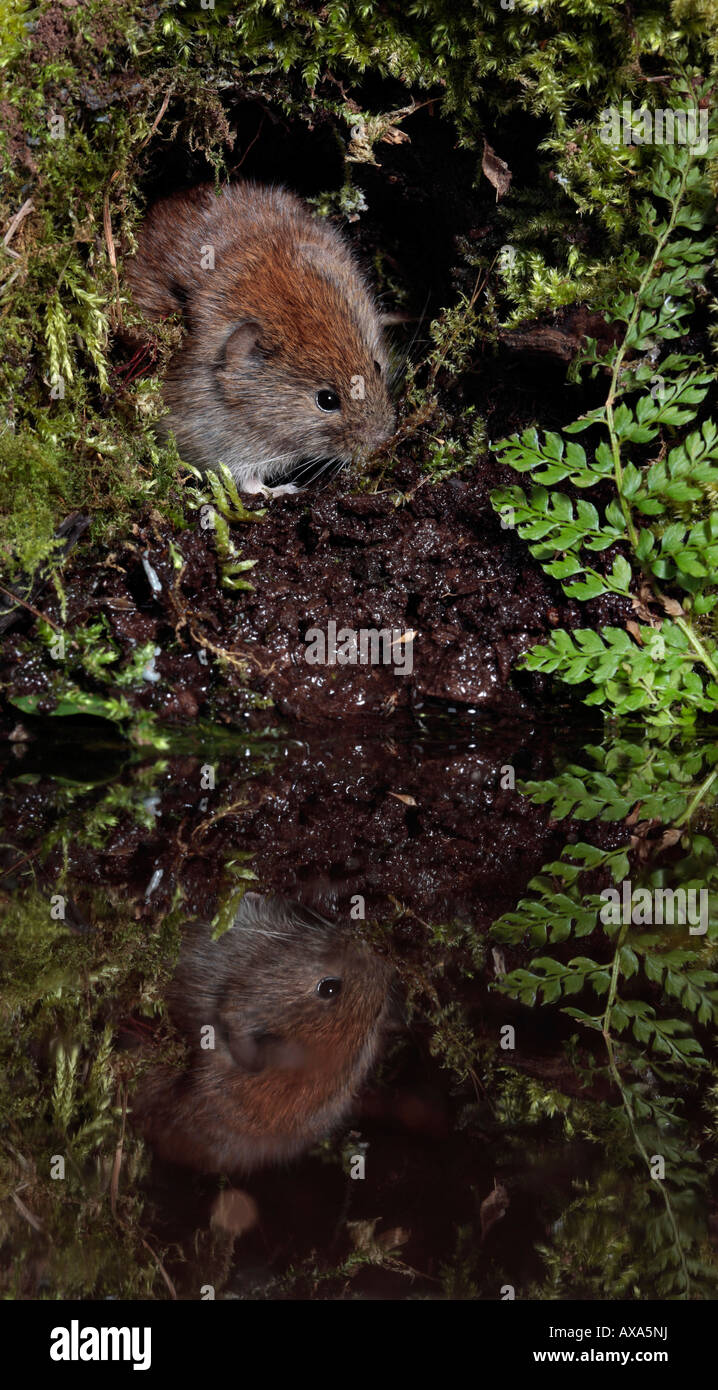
[(690, 810), (618, 1082), (631, 530), (696, 800), (697, 646), (621, 354)]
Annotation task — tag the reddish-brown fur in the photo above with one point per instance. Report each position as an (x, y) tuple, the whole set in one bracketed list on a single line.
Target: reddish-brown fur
[(286, 1063), (284, 314)]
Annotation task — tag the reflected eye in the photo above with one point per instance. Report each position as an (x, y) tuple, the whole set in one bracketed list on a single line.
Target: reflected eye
[(328, 400), (329, 987)]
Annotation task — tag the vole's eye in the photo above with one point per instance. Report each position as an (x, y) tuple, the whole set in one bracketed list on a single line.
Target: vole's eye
[(329, 987), (377, 368), (328, 400)]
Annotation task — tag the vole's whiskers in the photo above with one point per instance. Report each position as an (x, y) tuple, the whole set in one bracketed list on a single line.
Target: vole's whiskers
[(305, 469), (277, 460), (337, 466)]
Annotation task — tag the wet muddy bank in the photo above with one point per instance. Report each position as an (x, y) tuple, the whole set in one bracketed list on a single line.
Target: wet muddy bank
[(426, 562), (432, 820)]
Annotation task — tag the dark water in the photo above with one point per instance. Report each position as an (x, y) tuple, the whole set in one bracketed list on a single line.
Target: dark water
[(375, 1117)]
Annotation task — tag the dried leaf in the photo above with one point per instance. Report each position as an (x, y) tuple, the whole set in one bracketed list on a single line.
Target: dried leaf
[(394, 136), (362, 1233), (496, 171), (364, 1237), (499, 962), (493, 1208), (641, 843), (642, 605), (643, 612), (407, 800)]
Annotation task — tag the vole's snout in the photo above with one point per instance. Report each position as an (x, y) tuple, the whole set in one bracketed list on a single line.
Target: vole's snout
[(384, 432), (378, 430)]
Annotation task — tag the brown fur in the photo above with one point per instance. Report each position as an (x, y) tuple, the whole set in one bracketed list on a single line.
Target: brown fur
[(286, 1063), (284, 314)]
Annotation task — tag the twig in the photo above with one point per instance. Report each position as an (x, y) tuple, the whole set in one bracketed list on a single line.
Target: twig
[(8, 283), (252, 142), (204, 825), (35, 611), (26, 859), (106, 217), (158, 118), (19, 217), (110, 243), (25, 1211), (161, 1268)]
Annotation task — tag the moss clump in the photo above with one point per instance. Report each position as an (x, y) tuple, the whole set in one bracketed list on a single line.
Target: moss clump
[(71, 1225), (94, 95)]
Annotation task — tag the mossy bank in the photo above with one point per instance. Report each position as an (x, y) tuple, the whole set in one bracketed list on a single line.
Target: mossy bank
[(465, 149)]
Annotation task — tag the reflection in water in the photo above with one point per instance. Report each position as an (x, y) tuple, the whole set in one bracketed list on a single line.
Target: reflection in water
[(284, 1016), (502, 1143)]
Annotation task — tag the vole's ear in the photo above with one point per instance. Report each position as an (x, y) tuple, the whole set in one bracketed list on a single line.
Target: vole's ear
[(243, 340), (254, 1051)]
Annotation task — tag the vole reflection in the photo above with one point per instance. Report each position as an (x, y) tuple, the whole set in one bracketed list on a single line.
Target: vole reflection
[(298, 1009)]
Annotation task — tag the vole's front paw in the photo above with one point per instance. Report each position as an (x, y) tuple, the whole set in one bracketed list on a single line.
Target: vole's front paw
[(284, 490), (257, 488)]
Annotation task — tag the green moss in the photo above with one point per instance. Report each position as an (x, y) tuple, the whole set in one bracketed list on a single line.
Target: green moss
[(33, 475), (63, 1094)]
